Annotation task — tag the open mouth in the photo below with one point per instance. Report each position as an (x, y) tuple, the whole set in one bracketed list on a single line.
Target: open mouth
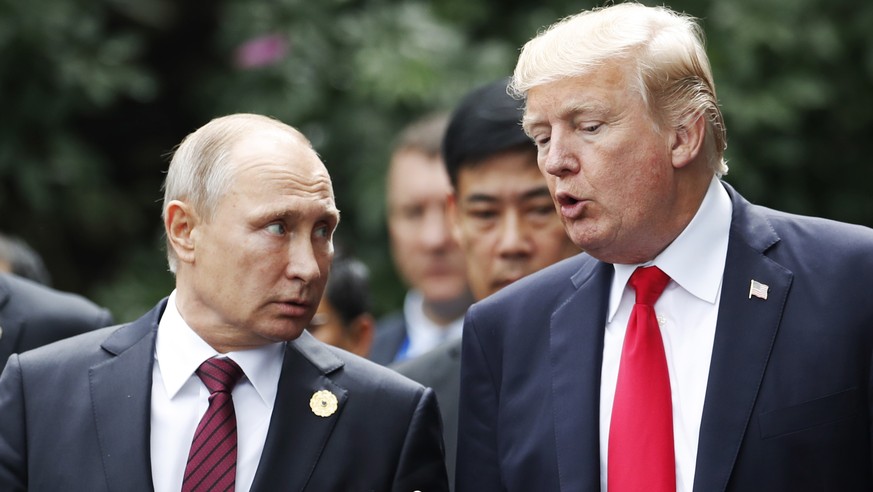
[(566, 199), (569, 205)]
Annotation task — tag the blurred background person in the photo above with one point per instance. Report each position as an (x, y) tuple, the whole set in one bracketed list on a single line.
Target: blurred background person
[(344, 318), (502, 216), (16, 256), (425, 254), (33, 315)]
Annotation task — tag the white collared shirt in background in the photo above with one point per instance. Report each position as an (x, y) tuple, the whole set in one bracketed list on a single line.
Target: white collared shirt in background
[(422, 333), (179, 400), (687, 312)]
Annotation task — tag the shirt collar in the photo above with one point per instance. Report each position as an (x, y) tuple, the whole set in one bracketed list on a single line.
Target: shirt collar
[(419, 326), (179, 351), (705, 239)]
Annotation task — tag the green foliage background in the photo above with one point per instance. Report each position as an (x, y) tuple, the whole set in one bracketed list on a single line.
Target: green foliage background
[(95, 94)]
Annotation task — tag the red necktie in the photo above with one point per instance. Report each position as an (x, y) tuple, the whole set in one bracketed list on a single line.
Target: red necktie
[(212, 459), (641, 456)]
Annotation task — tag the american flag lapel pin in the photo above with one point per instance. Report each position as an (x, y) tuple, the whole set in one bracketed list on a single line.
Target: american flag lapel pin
[(759, 290)]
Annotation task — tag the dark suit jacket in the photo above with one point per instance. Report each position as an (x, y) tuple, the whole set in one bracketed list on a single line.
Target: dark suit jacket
[(788, 402), (389, 337), (32, 315), (440, 369), (76, 417)]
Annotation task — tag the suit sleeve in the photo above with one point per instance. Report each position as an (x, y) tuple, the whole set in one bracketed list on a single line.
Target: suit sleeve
[(13, 474), (422, 460), (104, 319), (477, 466)]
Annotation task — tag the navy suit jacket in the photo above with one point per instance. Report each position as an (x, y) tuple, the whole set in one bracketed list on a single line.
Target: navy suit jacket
[(33, 315), (76, 416), (788, 401)]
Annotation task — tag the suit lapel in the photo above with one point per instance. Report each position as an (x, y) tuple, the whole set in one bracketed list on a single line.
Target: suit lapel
[(576, 352), (745, 331), (297, 436), (121, 396)]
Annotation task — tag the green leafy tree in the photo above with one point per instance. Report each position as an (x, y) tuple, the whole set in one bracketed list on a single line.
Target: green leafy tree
[(96, 95)]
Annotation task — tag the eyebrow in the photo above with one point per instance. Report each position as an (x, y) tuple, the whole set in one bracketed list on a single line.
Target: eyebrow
[(566, 111), (538, 192), (332, 214)]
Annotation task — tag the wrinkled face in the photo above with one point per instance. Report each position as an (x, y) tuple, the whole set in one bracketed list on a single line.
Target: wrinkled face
[(257, 270), (506, 222), (424, 251), (607, 167)]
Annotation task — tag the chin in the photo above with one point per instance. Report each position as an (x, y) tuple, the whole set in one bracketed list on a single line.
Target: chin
[(283, 333)]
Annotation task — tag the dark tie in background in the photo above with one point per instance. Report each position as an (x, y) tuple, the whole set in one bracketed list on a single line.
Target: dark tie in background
[(212, 459), (641, 456)]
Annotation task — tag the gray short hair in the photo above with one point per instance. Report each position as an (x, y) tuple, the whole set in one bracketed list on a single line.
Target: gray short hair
[(200, 172), (665, 54)]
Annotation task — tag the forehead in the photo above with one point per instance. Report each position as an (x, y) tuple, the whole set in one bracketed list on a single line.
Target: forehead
[(416, 176), (274, 166), (596, 92), (505, 175)]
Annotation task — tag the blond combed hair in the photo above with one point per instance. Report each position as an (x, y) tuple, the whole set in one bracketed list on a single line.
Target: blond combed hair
[(662, 50)]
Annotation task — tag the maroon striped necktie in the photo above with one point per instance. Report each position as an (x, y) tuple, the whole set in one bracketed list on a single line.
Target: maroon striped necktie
[(212, 459)]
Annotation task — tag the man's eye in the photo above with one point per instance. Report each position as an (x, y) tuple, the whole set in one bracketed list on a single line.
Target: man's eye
[(412, 213), (322, 231), (482, 214), (544, 209), (276, 229)]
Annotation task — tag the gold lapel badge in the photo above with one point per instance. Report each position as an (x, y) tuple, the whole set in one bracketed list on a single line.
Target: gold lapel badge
[(323, 403)]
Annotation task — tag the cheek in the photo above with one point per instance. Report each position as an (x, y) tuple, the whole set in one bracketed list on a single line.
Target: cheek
[(329, 335), (468, 236), (483, 244)]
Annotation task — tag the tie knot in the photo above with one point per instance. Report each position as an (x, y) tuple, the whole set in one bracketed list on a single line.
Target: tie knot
[(649, 283), (219, 374)]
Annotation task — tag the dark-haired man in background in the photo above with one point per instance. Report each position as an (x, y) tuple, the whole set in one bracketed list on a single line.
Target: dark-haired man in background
[(501, 214), (344, 318)]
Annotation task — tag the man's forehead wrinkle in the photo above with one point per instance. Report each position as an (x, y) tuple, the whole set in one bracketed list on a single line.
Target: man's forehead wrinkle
[(306, 176)]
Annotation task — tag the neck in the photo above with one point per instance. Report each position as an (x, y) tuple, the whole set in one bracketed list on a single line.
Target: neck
[(444, 312)]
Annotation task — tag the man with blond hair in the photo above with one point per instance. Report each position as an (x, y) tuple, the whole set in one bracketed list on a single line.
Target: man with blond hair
[(219, 387), (700, 342)]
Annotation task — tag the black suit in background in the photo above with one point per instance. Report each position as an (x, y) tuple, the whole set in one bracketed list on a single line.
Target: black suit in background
[(389, 337), (32, 315), (78, 412), (440, 369)]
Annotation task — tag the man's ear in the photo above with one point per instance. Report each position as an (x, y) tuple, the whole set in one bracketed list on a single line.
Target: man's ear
[(179, 223), (362, 329), (688, 140), (452, 216)]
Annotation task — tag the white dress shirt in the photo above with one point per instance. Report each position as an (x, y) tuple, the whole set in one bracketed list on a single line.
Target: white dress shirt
[(687, 312), (422, 333), (179, 400)]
